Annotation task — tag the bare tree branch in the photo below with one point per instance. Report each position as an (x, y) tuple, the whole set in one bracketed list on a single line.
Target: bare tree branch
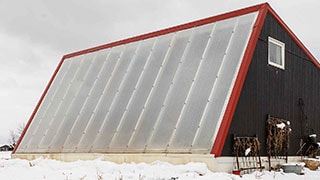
[(14, 135)]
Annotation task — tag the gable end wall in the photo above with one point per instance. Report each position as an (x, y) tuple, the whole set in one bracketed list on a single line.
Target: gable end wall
[(270, 90)]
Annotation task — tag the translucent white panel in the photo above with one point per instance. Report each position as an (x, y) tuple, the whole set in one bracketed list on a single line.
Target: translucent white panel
[(203, 84), (225, 80), (88, 102), (99, 98), (38, 118), (177, 96), (162, 94), (109, 94), (125, 91), (48, 120), (82, 88), (69, 107), (143, 89), (161, 86)]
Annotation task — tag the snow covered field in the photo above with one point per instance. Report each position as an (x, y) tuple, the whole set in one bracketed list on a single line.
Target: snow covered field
[(39, 169)]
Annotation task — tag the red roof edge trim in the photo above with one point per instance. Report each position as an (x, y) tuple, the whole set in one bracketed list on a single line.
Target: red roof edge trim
[(38, 105), (235, 94), (170, 30), (293, 36)]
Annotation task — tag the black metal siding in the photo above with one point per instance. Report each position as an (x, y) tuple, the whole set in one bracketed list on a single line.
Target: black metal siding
[(270, 90)]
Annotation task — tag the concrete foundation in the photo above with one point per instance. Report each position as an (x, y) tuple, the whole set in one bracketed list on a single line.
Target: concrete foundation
[(215, 164)]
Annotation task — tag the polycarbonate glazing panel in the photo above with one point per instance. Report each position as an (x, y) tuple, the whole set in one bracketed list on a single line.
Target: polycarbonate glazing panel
[(86, 107), (142, 92), (47, 101), (101, 87), (110, 92), (160, 89), (177, 96), (48, 120), (144, 56), (125, 91), (212, 59), (162, 94), (69, 107), (57, 114), (225, 80)]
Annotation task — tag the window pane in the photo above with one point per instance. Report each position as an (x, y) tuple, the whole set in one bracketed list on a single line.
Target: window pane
[(275, 53), (276, 50)]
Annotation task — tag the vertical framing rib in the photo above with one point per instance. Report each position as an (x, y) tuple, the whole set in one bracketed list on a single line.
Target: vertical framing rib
[(49, 104), (85, 101), (74, 97), (156, 81), (59, 106), (192, 87), (115, 96), (133, 93), (229, 90), (99, 101), (169, 91), (206, 109), (103, 94)]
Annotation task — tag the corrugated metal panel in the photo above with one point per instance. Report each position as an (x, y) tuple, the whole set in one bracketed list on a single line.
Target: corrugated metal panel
[(162, 94)]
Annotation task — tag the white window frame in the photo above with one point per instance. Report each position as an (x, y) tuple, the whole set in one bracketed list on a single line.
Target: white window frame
[(282, 46)]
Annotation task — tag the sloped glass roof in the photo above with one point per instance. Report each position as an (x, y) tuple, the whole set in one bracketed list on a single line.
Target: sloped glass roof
[(165, 94)]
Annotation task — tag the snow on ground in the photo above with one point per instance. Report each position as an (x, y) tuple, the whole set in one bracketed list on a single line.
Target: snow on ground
[(45, 169), (5, 155)]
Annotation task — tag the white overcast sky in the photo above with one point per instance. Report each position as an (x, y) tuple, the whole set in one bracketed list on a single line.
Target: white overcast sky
[(35, 34)]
